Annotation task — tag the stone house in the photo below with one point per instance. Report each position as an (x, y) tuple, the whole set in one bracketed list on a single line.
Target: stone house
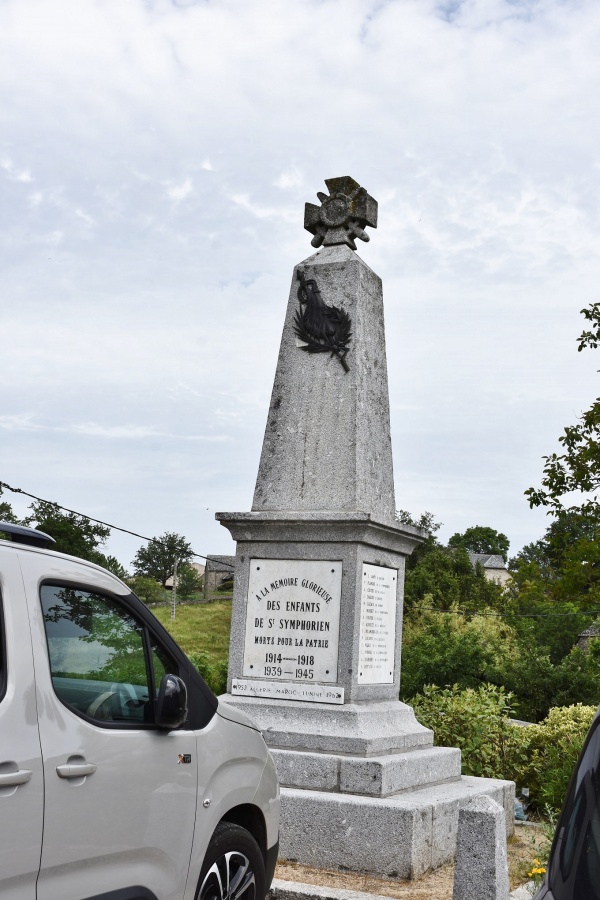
[(493, 565), (587, 635), (197, 566), (218, 569)]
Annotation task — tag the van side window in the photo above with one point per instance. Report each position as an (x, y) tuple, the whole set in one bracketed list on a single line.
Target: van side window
[(99, 657), (163, 664)]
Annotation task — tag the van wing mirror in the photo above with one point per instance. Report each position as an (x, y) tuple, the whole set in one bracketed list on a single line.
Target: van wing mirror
[(171, 704)]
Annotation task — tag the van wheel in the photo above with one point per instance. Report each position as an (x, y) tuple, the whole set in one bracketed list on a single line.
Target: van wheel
[(233, 867)]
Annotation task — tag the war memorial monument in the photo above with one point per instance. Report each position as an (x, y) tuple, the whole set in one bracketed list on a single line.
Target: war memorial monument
[(317, 610)]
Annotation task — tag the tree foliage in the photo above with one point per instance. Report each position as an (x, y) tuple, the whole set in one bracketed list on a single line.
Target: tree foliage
[(189, 581), (478, 721), (113, 565), (558, 577), (157, 559), (73, 533), (6, 512), (553, 747), (481, 539), (521, 637), (576, 468), (214, 673), (426, 521), (442, 576), (147, 589), (450, 648), (540, 757)]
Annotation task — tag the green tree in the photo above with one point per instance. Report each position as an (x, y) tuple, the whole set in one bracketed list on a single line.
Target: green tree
[(426, 521), (577, 467), (554, 580), (189, 581), (113, 565), (445, 576), (6, 512), (481, 539), (157, 559), (73, 533), (451, 648), (147, 589)]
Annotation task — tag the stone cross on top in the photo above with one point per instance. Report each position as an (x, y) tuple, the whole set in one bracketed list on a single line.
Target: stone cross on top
[(342, 216)]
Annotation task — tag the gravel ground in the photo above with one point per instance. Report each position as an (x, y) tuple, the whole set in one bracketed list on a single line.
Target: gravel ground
[(523, 847)]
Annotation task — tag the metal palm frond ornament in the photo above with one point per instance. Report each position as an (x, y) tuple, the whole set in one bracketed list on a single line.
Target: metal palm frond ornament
[(321, 328)]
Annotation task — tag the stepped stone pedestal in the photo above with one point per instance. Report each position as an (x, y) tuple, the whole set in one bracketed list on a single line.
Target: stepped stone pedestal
[(319, 582), (364, 789)]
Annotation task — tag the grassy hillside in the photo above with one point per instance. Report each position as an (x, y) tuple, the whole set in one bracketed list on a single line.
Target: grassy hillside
[(200, 628)]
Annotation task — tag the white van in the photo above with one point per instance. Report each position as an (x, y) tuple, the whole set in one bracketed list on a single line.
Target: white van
[(122, 777)]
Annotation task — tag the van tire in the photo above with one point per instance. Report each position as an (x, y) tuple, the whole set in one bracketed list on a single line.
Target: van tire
[(233, 868)]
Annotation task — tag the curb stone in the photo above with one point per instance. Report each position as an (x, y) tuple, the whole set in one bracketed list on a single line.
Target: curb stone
[(524, 892), (295, 890)]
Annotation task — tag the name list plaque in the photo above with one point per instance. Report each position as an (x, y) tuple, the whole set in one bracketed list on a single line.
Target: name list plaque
[(292, 623), (377, 625)]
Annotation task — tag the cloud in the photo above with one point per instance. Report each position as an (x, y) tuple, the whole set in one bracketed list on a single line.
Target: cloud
[(136, 432), (23, 176), (155, 161), (260, 211), (292, 178), (127, 432), (180, 191), (19, 422)]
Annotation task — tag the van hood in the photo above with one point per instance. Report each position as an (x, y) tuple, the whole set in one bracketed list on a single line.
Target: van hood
[(235, 715)]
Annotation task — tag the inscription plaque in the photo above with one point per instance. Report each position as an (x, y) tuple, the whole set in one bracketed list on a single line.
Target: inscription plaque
[(292, 620), (288, 690), (377, 625)]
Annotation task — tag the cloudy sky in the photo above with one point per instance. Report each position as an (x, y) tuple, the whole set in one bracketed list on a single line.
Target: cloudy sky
[(155, 158)]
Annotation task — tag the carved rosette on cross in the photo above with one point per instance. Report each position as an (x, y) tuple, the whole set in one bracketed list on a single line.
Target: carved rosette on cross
[(342, 216)]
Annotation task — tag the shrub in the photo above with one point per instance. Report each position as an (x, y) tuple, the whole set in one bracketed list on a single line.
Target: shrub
[(189, 582), (147, 589), (552, 750), (449, 648), (477, 721), (539, 685), (214, 673), (578, 676)]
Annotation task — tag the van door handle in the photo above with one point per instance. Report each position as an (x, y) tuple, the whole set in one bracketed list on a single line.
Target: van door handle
[(22, 776), (75, 770)]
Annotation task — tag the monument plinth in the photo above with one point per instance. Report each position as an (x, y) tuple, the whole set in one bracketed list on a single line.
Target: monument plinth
[(318, 595)]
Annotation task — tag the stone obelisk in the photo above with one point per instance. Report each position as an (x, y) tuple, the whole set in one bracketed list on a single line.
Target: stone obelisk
[(317, 611)]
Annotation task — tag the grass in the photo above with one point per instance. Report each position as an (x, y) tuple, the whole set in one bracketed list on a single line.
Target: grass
[(199, 627)]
